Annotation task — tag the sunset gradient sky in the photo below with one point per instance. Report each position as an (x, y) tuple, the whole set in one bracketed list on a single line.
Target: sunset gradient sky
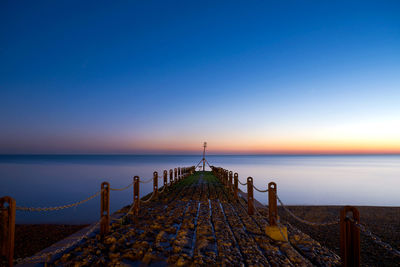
[(164, 76)]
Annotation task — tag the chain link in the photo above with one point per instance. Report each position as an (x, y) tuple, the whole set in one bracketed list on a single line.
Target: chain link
[(146, 181), (122, 189), (147, 200), (58, 207), (241, 182), (262, 191), (127, 213), (376, 238), (304, 221), (163, 188), (59, 250)]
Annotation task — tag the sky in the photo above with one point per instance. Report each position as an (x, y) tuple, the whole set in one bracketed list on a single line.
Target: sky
[(252, 77)]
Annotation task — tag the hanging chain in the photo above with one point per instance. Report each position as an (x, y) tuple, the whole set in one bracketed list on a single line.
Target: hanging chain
[(122, 189), (304, 221), (58, 207)]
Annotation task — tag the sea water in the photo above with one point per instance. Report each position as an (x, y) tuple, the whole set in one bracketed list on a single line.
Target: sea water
[(53, 180)]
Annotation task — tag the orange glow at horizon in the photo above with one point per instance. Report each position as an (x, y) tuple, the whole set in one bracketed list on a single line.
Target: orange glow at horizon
[(277, 147)]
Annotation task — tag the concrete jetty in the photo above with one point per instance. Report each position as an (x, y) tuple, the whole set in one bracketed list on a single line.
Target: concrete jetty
[(196, 222)]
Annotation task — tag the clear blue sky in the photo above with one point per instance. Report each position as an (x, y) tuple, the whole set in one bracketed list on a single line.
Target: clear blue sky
[(164, 76)]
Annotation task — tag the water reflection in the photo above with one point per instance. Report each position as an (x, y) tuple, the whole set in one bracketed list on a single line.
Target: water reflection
[(312, 180)]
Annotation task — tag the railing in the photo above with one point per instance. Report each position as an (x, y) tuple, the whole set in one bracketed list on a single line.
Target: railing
[(350, 226), (8, 210)]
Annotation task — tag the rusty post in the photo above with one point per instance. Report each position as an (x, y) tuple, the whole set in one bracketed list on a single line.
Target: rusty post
[(349, 237), (7, 228), (273, 230), (175, 175), (230, 180), (250, 196), (136, 195), (155, 183), (105, 209), (236, 189), (171, 177), (165, 179), (225, 177), (272, 204)]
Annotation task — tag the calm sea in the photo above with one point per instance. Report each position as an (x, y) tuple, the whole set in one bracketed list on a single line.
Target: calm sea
[(42, 181)]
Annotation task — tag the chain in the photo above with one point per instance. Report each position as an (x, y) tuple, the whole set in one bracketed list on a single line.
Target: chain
[(127, 213), (147, 200), (122, 189), (59, 250), (376, 238), (241, 182), (262, 191), (304, 221), (59, 207), (146, 181), (163, 188)]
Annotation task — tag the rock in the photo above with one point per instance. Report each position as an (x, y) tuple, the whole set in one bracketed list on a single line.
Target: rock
[(113, 256), (65, 257), (110, 240), (181, 262)]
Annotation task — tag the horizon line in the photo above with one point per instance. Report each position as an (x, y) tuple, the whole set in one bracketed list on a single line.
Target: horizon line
[(209, 154)]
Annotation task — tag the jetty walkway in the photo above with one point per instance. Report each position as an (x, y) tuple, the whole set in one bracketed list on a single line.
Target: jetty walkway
[(194, 219), (196, 222)]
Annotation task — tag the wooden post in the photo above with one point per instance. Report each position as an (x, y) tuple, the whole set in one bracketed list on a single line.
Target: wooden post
[(171, 178), (7, 228), (179, 173), (225, 177), (105, 209), (236, 185), (273, 230), (155, 183), (250, 197), (165, 179), (349, 237), (175, 175), (272, 204), (136, 195), (230, 180)]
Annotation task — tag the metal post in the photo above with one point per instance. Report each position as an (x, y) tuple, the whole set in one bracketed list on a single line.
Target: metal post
[(272, 204), (136, 195), (165, 179), (349, 237), (155, 183), (230, 180), (105, 209), (171, 178), (7, 228), (236, 189), (250, 197)]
